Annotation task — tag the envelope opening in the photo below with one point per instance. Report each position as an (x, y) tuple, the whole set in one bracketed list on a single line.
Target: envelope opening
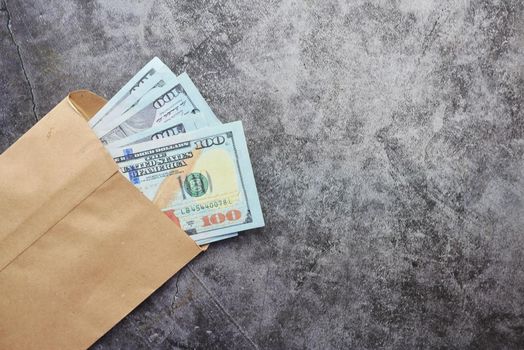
[(86, 103)]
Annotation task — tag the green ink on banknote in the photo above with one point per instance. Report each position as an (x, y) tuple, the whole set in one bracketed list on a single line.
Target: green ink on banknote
[(196, 184)]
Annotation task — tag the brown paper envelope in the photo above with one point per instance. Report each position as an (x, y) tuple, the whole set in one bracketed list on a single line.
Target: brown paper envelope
[(80, 246)]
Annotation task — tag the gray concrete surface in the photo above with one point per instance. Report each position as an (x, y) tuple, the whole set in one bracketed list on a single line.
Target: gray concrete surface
[(387, 139)]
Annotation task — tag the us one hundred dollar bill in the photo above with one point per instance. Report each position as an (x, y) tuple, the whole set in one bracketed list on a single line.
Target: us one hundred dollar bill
[(153, 76), (187, 123), (202, 180), (173, 103)]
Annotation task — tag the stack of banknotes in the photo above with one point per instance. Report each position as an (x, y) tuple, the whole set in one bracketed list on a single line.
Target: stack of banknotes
[(168, 142)]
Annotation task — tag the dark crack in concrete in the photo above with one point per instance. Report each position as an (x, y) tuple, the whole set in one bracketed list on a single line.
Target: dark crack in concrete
[(16, 114), (10, 30), (223, 309)]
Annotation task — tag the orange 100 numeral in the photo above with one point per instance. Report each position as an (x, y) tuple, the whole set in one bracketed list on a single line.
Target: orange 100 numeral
[(219, 218)]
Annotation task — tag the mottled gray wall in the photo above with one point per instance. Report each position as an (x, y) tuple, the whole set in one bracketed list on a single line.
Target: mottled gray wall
[(387, 141)]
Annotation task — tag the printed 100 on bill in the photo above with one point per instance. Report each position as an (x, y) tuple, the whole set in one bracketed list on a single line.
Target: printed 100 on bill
[(202, 180)]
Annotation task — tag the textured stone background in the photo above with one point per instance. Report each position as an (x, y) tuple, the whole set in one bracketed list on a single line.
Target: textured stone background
[(387, 139)]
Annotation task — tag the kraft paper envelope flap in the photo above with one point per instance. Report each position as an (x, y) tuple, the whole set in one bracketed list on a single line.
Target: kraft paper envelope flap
[(44, 174), (86, 103), (80, 246)]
